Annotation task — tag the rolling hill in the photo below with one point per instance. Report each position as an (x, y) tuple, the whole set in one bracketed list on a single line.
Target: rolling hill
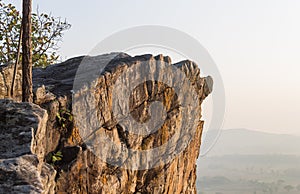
[(248, 142)]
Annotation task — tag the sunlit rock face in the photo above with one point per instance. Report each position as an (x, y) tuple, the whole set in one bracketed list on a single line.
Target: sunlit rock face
[(103, 98)]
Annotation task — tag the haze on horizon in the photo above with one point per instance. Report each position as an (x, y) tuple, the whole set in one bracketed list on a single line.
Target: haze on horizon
[(255, 44)]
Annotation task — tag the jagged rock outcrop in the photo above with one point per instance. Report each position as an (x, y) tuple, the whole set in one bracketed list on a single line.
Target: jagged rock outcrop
[(22, 136), (81, 169), (6, 74)]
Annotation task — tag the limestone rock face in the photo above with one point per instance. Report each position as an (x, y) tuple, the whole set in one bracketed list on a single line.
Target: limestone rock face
[(6, 74), (22, 134), (72, 96)]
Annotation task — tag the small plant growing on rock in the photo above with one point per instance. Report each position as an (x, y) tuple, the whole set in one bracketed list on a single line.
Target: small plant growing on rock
[(57, 157), (52, 158), (64, 119)]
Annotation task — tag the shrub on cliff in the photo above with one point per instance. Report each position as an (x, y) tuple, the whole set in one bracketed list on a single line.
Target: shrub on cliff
[(47, 32)]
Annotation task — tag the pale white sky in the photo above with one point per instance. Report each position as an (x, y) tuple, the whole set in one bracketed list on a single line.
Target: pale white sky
[(255, 43)]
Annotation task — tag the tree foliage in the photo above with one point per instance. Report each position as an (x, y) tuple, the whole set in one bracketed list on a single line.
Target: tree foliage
[(47, 32)]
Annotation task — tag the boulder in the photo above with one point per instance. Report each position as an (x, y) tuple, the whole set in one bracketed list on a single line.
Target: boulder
[(22, 134)]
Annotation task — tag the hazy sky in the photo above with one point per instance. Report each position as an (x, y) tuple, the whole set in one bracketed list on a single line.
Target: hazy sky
[(255, 43)]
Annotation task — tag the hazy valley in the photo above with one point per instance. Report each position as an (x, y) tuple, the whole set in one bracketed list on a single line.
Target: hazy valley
[(245, 161)]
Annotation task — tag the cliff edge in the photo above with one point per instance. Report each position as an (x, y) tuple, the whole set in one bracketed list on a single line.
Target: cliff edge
[(82, 100)]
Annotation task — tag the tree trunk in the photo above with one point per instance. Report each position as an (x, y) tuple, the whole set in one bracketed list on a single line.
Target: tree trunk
[(16, 64), (27, 95)]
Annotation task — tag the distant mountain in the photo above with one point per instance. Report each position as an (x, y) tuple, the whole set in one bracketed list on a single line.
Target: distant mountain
[(248, 142)]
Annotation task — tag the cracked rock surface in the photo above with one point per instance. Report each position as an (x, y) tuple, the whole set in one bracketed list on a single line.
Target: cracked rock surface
[(22, 133), (81, 170)]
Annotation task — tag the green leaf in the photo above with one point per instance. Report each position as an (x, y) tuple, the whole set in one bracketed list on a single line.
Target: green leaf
[(48, 32), (59, 153)]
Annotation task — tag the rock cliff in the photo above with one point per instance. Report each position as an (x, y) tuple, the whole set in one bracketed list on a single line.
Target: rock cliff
[(88, 164), (22, 135)]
